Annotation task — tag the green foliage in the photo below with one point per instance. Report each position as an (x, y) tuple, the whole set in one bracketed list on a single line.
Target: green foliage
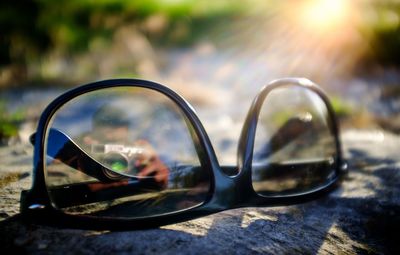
[(9, 122), (340, 107), (20, 38), (382, 26), (29, 28)]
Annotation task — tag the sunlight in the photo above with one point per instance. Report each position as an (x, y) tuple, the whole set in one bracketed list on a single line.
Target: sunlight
[(324, 15), (253, 215), (336, 231), (197, 227)]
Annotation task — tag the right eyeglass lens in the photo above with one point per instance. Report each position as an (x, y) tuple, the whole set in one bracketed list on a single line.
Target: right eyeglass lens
[(295, 150)]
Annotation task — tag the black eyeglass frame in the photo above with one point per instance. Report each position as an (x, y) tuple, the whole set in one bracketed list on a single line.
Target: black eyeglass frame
[(226, 192)]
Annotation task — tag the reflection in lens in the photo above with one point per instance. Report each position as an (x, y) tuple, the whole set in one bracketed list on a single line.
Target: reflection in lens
[(123, 152), (294, 149), (116, 162)]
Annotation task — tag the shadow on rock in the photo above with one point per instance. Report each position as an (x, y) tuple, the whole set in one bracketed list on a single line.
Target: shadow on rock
[(347, 222)]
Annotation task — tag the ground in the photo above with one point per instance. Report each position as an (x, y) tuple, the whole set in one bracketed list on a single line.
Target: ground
[(361, 216)]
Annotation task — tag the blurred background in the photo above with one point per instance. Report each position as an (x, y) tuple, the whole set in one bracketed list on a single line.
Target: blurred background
[(217, 54)]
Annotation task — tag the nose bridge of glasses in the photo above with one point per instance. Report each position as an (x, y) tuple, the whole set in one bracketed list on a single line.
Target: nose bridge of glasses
[(231, 190)]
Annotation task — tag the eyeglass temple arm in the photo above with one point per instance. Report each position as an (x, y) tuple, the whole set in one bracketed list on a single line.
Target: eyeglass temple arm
[(92, 192), (65, 150), (291, 130), (62, 148), (287, 133)]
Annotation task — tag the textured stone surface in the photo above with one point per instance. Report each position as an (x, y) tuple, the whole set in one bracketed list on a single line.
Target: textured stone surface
[(362, 216)]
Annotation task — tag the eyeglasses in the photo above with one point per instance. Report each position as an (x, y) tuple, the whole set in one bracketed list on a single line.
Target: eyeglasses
[(130, 153)]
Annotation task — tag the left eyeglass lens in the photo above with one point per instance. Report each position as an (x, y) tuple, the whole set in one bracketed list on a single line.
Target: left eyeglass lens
[(123, 152)]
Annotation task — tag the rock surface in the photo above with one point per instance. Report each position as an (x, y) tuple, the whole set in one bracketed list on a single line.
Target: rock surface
[(362, 216)]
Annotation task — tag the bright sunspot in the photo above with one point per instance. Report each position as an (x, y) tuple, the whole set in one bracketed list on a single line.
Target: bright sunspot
[(324, 15)]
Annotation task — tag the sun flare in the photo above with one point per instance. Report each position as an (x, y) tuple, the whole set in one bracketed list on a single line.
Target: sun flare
[(325, 15)]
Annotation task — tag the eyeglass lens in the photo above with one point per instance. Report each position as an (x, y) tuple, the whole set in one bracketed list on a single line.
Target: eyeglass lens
[(294, 148), (140, 137)]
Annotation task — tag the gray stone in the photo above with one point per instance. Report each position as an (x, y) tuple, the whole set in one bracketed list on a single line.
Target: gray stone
[(362, 216)]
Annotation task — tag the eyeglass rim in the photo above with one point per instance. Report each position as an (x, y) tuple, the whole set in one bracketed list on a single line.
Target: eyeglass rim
[(247, 136), (37, 206)]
